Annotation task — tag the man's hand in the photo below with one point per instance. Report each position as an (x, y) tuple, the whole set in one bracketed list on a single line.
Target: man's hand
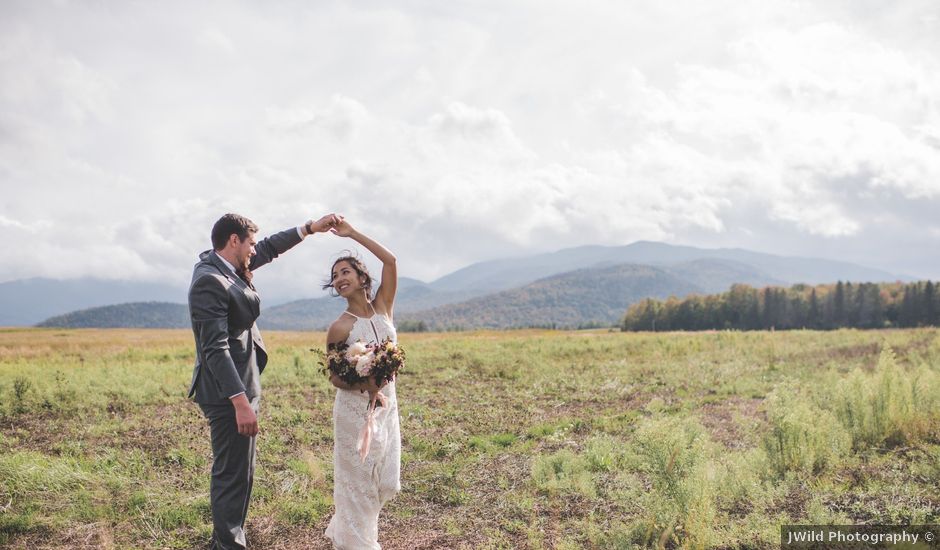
[(245, 416), (325, 223)]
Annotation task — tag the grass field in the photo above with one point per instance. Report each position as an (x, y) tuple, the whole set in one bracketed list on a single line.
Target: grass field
[(521, 439)]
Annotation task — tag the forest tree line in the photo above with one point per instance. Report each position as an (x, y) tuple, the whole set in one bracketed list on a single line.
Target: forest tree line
[(821, 307)]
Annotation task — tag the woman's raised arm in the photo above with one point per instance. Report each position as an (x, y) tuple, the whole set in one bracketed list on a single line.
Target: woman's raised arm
[(385, 295)]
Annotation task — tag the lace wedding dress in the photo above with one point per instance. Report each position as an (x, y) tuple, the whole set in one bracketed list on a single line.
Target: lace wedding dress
[(361, 488)]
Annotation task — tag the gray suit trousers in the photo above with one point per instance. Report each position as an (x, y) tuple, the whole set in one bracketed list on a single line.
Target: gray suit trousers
[(233, 469)]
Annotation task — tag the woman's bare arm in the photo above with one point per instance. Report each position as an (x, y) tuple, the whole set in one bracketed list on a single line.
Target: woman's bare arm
[(385, 295)]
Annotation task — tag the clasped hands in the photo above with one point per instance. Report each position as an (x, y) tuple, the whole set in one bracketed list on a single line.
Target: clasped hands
[(324, 224), (334, 223)]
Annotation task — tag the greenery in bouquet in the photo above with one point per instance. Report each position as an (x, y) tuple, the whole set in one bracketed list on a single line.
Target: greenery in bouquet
[(334, 362), (388, 362)]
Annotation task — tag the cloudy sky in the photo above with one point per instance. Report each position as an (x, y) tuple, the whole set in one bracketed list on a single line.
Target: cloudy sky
[(456, 132)]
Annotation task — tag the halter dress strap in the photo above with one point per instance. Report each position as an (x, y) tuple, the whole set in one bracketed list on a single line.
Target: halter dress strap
[(371, 322)]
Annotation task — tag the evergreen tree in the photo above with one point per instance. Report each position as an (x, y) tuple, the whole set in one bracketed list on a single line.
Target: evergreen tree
[(851, 304), (930, 306), (814, 315), (908, 315), (838, 306), (767, 300)]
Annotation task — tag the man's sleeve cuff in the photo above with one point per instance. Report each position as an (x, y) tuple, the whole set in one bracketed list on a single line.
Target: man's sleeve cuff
[(237, 394), (300, 231)]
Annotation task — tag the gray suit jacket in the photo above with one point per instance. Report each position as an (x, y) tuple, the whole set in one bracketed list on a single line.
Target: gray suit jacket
[(230, 353)]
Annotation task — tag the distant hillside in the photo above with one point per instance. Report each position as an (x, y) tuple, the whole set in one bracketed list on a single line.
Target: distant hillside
[(513, 272), (578, 298), (131, 315), (29, 301)]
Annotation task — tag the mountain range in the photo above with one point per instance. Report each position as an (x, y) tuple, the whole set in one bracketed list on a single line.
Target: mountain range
[(29, 301), (513, 272), (572, 287)]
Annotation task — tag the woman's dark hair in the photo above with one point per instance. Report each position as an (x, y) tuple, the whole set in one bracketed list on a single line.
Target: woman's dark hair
[(231, 224), (360, 269)]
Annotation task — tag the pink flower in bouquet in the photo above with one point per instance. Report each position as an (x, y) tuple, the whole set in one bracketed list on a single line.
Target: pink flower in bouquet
[(360, 357), (364, 363)]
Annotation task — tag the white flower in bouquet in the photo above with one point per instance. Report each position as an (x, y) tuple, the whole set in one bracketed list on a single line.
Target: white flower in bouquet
[(356, 351), (364, 363)]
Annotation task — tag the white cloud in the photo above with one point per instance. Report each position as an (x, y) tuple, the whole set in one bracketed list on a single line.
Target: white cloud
[(215, 39), (341, 119), (463, 134), (31, 227)]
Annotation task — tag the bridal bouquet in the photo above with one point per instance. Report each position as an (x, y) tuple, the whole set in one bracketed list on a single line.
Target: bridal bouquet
[(357, 362)]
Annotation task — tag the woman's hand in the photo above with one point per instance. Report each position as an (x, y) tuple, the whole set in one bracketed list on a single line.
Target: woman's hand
[(370, 386), (343, 229)]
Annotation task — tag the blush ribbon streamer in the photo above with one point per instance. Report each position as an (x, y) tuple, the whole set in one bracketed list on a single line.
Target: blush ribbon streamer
[(365, 436)]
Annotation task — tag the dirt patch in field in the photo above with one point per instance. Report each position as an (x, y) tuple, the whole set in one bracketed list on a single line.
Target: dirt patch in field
[(589, 408), (890, 467), (873, 508), (858, 352), (36, 431), (916, 345), (869, 352), (722, 420), (266, 532), (154, 426), (417, 533), (100, 535), (793, 503)]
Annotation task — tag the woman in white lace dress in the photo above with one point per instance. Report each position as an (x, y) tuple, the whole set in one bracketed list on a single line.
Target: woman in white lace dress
[(362, 486)]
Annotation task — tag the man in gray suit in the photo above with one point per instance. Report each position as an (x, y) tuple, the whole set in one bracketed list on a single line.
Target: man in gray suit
[(230, 356)]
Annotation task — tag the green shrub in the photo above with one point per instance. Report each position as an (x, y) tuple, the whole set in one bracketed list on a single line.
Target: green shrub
[(743, 486), (21, 388), (889, 407), (803, 438), (603, 454), (678, 457)]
